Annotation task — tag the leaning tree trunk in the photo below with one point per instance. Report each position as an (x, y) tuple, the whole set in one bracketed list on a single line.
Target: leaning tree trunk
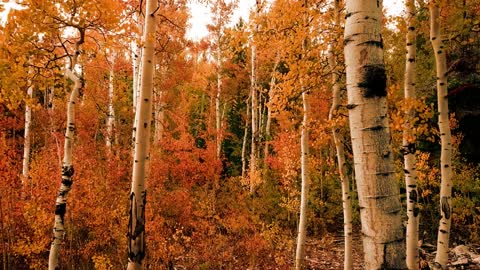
[(67, 165), (378, 191), (26, 143), (338, 140), (136, 225), (408, 147), (445, 136)]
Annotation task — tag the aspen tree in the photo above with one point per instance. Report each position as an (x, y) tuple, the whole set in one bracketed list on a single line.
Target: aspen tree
[(408, 147), (304, 155), (254, 109), (26, 136), (136, 225), (244, 142), (67, 164), (302, 224), (338, 141), (378, 191), (111, 111), (445, 136)]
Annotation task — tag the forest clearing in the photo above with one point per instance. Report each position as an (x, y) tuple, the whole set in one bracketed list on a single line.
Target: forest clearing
[(314, 134)]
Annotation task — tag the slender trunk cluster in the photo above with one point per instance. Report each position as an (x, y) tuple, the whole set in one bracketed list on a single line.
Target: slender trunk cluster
[(445, 137), (378, 190), (136, 225), (408, 147), (338, 141), (67, 165)]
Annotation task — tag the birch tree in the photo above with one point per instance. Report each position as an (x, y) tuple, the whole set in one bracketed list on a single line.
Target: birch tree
[(445, 136), (136, 225), (338, 141), (409, 141), (67, 164), (378, 191)]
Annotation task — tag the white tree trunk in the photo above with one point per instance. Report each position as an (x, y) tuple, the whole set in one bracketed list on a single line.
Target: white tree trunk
[(302, 224), (244, 143), (338, 140), (136, 226), (26, 136), (111, 111), (445, 136), (378, 190), (159, 111), (409, 142), (67, 165)]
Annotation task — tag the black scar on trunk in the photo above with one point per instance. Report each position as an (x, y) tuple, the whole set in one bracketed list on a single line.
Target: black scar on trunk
[(61, 209), (374, 81)]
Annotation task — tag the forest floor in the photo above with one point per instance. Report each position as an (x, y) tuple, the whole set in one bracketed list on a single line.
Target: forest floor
[(327, 253)]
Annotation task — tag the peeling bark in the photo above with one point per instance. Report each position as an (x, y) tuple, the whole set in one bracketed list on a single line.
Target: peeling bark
[(378, 190), (136, 227)]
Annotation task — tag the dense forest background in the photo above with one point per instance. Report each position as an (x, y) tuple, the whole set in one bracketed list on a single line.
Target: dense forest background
[(208, 207)]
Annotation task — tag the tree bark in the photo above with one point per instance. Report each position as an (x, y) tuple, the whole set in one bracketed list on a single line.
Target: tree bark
[(378, 191), (338, 141), (67, 165), (408, 147), (136, 225), (445, 136), (137, 67)]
